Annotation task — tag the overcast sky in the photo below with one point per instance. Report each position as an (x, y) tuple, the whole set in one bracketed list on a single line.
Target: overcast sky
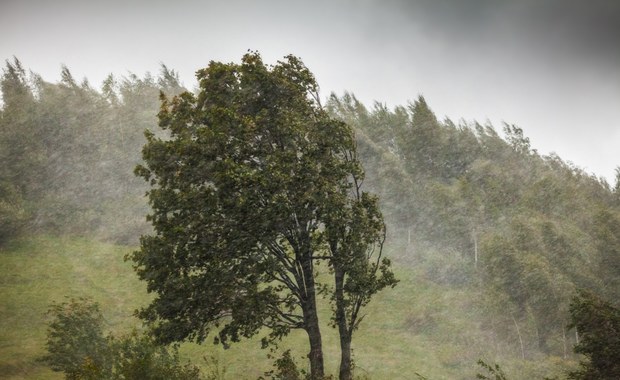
[(551, 67)]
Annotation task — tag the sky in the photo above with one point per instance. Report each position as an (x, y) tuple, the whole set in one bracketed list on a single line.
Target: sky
[(551, 67)]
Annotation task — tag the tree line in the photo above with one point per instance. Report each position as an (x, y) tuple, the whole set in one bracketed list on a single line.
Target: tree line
[(527, 230), (474, 207), (68, 151)]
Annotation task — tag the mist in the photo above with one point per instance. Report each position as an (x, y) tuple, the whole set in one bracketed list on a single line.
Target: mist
[(488, 130), (550, 67)]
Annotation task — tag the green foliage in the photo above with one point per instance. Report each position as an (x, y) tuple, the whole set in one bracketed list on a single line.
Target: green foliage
[(606, 227), (75, 341), (450, 325), (76, 346), (68, 152), (253, 188), (598, 325), (215, 370), (285, 368), (478, 213), (137, 356), (12, 212), (488, 212), (494, 372)]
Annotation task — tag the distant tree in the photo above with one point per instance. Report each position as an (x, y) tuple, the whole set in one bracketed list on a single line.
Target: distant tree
[(420, 142), (598, 325), (20, 153), (245, 192), (606, 227), (68, 152), (377, 149), (616, 188), (12, 212)]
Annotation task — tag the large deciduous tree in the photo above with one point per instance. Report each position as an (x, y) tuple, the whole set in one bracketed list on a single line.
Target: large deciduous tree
[(253, 188)]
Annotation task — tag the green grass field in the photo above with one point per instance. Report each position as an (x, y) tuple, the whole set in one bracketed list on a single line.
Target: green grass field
[(418, 327)]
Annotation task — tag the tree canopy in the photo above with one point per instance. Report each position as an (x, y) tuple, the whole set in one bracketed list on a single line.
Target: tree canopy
[(254, 188), (598, 324)]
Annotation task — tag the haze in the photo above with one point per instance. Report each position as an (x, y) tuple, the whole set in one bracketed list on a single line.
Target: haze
[(551, 67)]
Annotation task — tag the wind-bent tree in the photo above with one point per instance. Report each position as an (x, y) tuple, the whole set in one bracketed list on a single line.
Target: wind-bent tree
[(252, 189), (355, 233)]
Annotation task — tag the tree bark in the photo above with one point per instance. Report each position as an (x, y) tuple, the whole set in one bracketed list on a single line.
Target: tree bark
[(343, 329), (311, 321), (317, 371), (346, 370)]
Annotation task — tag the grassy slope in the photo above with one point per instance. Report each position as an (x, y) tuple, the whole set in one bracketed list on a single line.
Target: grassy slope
[(419, 326), (39, 271)]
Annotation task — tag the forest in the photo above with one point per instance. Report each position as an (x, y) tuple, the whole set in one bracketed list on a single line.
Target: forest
[(498, 254)]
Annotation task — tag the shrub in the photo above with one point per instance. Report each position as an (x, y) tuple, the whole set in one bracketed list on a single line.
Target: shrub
[(76, 346), (75, 341)]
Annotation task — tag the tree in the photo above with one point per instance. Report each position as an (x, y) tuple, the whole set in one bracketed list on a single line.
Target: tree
[(616, 189), (20, 154), (421, 142), (606, 229), (245, 192), (355, 233), (12, 212), (598, 325)]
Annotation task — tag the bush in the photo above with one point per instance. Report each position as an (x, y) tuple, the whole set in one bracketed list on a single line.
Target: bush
[(285, 368), (76, 346), (75, 341), (137, 356)]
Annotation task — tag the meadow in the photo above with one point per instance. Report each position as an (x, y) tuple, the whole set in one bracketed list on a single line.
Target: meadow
[(419, 327)]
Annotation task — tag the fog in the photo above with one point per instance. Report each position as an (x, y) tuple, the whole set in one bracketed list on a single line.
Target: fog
[(551, 67), (491, 236)]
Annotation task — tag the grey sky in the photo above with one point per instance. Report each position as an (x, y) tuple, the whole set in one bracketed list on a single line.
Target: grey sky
[(550, 66)]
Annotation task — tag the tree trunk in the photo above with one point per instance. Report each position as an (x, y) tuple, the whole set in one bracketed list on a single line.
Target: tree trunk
[(520, 339), (408, 236), (343, 328), (564, 342), (475, 248), (346, 370), (576, 336), (317, 371), (542, 333), (311, 322)]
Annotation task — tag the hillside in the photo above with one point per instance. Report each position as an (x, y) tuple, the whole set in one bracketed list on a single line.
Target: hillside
[(419, 327), (487, 213), (489, 239)]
